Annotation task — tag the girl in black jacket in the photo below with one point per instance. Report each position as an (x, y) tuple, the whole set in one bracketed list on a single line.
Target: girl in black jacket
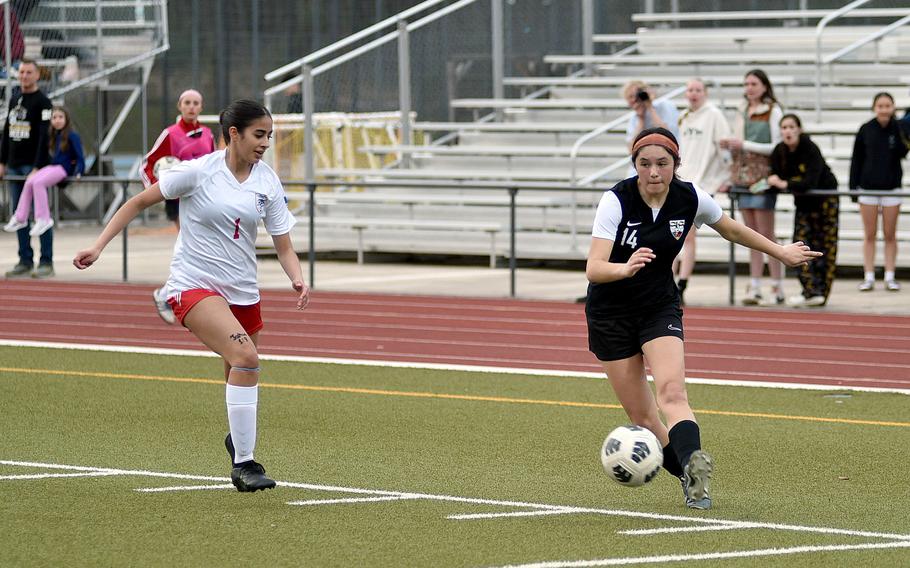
[(797, 166), (877, 152)]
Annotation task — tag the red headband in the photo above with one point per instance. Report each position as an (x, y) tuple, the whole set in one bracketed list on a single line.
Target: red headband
[(655, 139)]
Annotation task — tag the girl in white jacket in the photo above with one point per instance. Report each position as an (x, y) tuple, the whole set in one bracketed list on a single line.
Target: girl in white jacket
[(704, 162)]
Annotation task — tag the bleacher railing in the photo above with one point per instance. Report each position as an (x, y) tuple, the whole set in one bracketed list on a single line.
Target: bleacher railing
[(847, 11), (512, 188)]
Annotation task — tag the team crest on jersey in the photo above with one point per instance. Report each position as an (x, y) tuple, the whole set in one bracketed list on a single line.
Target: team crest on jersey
[(261, 201), (677, 226)]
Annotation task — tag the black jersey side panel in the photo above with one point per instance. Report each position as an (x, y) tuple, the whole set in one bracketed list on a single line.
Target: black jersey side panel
[(653, 286)]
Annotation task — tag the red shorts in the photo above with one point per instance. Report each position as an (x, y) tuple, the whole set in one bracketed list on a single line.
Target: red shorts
[(250, 317)]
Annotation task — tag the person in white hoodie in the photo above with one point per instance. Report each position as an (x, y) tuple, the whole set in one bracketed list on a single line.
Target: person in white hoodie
[(704, 162)]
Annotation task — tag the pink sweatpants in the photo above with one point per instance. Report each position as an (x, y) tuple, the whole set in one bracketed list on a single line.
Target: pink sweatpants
[(36, 188)]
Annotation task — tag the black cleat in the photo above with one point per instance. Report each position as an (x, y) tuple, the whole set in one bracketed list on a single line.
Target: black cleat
[(250, 476), (229, 445)]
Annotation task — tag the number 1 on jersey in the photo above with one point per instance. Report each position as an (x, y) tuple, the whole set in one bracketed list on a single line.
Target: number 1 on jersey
[(628, 238), (237, 228)]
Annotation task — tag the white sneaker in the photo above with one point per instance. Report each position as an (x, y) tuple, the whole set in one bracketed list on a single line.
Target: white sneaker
[(14, 225), (40, 227), (866, 286), (892, 286), (164, 309)]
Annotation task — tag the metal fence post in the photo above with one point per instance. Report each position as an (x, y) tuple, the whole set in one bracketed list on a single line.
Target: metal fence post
[(309, 162), (731, 267), (513, 192), (498, 54), (404, 88), (587, 32), (311, 254), (309, 134)]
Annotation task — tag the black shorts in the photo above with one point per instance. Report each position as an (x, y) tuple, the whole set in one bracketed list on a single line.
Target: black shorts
[(614, 338), (172, 209)]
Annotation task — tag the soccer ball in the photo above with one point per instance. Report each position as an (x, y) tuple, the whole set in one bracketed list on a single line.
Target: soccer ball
[(163, 165), (632, 455)]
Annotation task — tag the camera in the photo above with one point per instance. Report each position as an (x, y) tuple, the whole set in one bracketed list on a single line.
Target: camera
[(642, 95)]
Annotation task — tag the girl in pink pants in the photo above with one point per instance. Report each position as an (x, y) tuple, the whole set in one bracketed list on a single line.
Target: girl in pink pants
[(64, 159)]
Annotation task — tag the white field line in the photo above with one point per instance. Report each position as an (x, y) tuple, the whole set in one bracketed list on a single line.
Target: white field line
[(905, 538), (56, 475), (508, 347), (412, 358), (669, 530), (629, 561), (184, 488), (349, 500), (439, 366), (471, 517)]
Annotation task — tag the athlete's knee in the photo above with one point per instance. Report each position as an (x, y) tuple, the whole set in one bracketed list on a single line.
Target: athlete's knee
[(672, 394), (242, 353)]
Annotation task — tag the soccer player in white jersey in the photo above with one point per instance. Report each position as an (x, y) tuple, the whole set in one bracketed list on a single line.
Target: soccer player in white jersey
[(633, 309), (212, 287)]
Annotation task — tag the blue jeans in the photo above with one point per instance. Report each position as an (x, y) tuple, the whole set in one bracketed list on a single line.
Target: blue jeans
[(26, 254)]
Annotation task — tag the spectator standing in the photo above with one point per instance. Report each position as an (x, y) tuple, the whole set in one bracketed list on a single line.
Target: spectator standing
[(876, 165), (703, 162), (187, 139), (23, 148), (756, 132), (797, 166), (66, 159), (648, 113)]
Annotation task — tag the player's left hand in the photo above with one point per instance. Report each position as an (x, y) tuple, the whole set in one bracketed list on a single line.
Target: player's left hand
[(304, 299), (798, 254)]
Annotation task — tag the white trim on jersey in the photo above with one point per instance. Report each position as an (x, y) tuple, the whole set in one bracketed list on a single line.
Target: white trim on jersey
[(216, 246), (609, 213), (709, 212)]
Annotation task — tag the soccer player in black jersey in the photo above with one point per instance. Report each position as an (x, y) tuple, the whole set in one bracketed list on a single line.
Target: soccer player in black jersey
[(633, 308)]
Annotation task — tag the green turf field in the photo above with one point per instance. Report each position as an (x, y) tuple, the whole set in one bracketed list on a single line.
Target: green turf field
[(409, 467)]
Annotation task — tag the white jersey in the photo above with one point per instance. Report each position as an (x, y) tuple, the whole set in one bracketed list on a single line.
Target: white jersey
[(219, 217)]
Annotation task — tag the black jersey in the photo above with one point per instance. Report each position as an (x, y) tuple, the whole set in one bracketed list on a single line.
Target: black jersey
[(652, 286), (24, 141)]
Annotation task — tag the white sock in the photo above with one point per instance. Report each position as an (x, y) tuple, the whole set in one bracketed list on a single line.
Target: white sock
[(889, 275), (160, 294), (241, 411), (870, 276), (755, 283)]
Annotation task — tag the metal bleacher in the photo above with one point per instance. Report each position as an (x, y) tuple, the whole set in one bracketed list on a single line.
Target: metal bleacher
[(528, 134), (105, 47)]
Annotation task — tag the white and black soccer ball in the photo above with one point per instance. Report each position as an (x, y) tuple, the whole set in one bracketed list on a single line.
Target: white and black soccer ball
[(632, 455), (163, 165)]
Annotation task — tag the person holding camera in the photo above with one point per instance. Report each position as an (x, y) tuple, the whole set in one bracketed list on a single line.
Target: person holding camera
[(648, 113)]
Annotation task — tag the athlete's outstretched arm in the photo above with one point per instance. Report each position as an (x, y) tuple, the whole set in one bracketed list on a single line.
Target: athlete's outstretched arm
[(599, 269), (135, 205), (794, 254), (291, 265)]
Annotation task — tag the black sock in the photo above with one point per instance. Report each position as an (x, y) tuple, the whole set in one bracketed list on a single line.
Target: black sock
[(683, 282), (685, 438), (671, 462)]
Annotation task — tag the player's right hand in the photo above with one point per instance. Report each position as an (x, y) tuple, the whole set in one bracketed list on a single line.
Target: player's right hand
[(638, 260), (85, 258)]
